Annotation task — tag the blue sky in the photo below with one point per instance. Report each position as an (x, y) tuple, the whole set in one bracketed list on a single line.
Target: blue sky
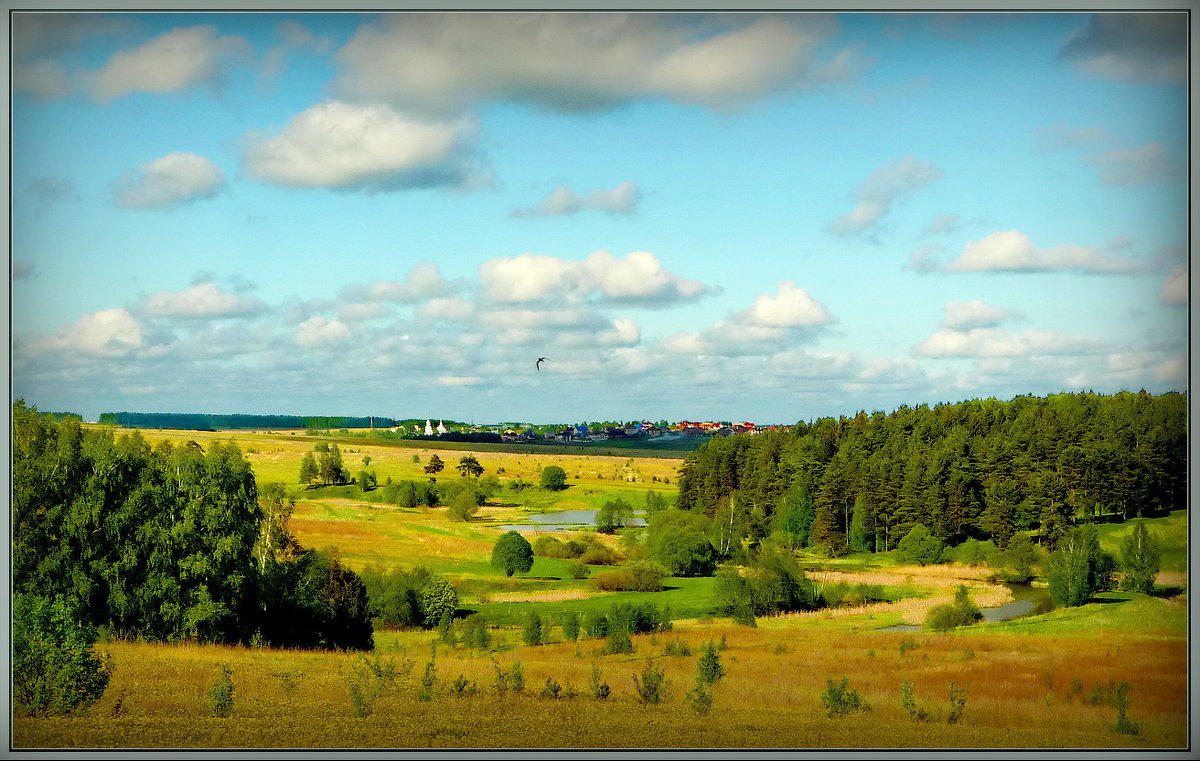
[(766, 217)]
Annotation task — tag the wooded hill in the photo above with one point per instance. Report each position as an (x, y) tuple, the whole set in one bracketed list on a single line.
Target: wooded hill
[(983, 469)]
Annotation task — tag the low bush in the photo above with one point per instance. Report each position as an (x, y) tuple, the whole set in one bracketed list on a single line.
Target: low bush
[(839, 699)]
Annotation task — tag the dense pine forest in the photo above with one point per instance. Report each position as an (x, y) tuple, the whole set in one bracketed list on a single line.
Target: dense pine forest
[(982, 469)]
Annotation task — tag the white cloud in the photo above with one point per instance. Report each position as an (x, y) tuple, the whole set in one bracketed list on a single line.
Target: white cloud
[(449, 309), (173, 179), (355, 312), (1131, 47), (319, 331), (369, 148), (424, 281), (994, 342), (1175, 287), (942, 224), (638, 278), (201, 300), (622, 199), (582, 62), (1014, 251), (965, 315), (107, 333), (768, 326), (174, 60), (883, 188), (39, 38), (1137, 166), (459, 380), (792, 308)]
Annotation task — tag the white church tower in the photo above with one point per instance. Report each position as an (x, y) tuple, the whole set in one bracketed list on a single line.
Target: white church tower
[(441, 427), (428, 428)]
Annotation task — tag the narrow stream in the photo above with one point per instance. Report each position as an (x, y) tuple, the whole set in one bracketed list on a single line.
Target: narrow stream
[(1027, 601)]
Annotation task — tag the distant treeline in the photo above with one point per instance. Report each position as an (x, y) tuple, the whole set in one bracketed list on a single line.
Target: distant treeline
[(204, 422), (982, 469)]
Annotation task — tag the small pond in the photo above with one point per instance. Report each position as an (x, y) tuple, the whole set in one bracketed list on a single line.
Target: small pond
[(564, 520), (1027, 601)]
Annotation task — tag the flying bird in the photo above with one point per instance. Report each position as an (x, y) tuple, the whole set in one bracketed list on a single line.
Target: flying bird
[(539, 362)]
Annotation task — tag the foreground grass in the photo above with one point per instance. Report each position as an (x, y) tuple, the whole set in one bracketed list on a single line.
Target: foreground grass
[(1021, 692)]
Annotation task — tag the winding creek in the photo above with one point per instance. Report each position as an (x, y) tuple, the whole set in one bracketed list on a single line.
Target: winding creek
[(1027, 600)]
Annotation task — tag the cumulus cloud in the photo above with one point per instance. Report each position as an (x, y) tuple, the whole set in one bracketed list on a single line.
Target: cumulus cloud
[(622, 199), (171, 180), (107, 333), (994, 342), (965, 315), (1174, 290), (1013, 251), (424, 281), (175, 60), (883, 188), (319, 331), (369, 148), (1137, 166), (1131, 47), (791, 308), (584, 62), (768, 326), (201, 300), (638, 278)]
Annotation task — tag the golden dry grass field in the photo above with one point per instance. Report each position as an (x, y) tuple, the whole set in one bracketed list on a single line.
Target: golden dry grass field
[(1048, 682)]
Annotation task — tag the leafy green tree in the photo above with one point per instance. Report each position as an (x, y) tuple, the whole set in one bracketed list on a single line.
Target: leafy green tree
[(464, 506), (308, 468), (612, 515), (1140, 560), (469, 467), (1078, 568), (511, 553), (1016, 564), (330, 468), (437, 597), (919, 547), (655, 503), (678, 540), (553, 478), (54, 668), (531, 633)]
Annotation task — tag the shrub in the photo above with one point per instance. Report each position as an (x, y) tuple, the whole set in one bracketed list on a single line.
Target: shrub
[(220, 694), (708, 668), (550, 689), (612, 581), (677, 647), (600, 688), (909, 703), (598, 554), (700, 698), (577, 570), (549, 547), (651, 687), (646, 575), (428, 681), (840, 699), (958, 703), (961, 612), (570, 625), (54, 670), (619, 642), (475, 632)]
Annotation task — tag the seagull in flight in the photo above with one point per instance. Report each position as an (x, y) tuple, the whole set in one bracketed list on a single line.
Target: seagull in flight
[(539, 362)]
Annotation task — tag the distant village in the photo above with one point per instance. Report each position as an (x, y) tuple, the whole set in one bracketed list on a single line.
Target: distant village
[(597, 432)]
